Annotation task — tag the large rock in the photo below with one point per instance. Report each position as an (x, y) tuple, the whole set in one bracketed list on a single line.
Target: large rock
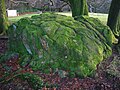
[(50, 41)]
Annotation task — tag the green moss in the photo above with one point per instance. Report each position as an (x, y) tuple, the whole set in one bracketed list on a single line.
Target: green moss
[(34, 80), (59, 42), (79, 7), (3, 18)]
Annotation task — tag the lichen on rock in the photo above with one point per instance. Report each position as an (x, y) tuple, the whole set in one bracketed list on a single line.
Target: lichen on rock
[(52, 41)]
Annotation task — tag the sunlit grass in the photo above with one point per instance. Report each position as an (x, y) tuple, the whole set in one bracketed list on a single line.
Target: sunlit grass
[(102, 17), (14, 19)]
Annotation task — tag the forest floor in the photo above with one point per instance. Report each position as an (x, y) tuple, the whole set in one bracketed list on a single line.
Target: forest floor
[(101, 81)]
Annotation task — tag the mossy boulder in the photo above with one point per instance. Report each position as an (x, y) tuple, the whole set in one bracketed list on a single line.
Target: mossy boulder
[(51, 41)]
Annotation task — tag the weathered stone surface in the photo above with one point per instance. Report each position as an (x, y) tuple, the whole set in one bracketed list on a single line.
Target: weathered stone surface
[(50, 41)]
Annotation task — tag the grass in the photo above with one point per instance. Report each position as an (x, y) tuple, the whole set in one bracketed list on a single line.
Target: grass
[(15, 19), (102, 17)]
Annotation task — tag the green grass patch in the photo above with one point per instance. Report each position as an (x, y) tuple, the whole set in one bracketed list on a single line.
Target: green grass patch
[(102, 17), (15, 19)]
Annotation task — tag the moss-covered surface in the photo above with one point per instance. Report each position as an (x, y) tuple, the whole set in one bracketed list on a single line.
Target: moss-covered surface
[(3, 18), (78, 7), (50, 41)]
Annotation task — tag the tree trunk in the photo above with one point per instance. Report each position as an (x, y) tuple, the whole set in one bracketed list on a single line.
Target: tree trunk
[(3, 17), (114, 18), (86, 8), (79, 7)]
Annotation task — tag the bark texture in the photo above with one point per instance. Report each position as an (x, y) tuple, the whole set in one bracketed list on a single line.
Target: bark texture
[(114, 18), (79, 7), (3, 17)]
